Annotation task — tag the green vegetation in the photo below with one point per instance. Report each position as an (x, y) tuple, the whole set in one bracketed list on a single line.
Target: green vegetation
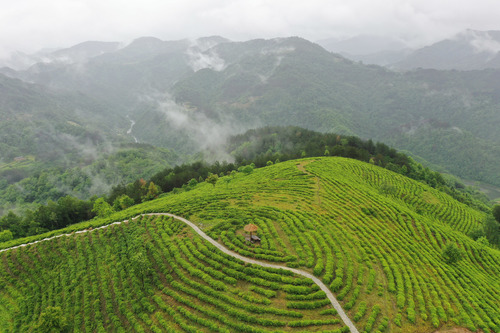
[(380, 251), (449, 118), (451, 253), (285, 143), (150, 275), (48, 135), (40, 182), (256, 148)]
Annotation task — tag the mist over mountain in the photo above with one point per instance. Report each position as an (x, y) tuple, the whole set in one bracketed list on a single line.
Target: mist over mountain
[(376, 50), (190, 96), (469, 50)]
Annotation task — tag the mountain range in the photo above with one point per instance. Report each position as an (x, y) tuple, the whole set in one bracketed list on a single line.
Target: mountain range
[(189, 97), (467, 50)]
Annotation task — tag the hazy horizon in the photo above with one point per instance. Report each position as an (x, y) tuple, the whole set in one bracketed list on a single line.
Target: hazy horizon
[(30, 26)]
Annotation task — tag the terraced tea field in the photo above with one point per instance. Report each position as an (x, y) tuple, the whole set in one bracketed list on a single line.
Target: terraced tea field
[(154, 274), (373, 236)]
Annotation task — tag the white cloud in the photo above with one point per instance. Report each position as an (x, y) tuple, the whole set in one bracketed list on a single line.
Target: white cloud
[(28, 25), (201, 56)]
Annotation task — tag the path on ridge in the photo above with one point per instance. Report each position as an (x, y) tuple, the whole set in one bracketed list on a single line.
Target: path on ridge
[(221, 247)]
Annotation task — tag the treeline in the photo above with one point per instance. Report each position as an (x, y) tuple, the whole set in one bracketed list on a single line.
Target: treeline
[(255, 148), (284, 143), (54, 215), (70, 210)]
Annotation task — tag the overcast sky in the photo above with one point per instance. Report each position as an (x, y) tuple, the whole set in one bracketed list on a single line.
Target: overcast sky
[(29, 25)]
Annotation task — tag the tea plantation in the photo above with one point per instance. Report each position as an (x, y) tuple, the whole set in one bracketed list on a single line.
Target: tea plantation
[(376, 238)]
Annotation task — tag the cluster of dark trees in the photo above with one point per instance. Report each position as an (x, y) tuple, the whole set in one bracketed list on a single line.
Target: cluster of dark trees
[(175, 177), (490, 228), (54, 215), (257, 148), (70, 210)]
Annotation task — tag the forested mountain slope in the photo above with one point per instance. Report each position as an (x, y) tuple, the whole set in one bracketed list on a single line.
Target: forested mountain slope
[(294, 82), (468, 50), (377, 238), (191, 95), (55, 143)]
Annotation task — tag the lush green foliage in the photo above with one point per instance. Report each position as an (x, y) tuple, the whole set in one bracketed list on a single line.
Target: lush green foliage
[(374, 236), (284, 143), (54, 215), (93, 176), (496, 212), (446, 117), (451, 253), (52, 320), (380, 250), (254, 148), (151, 274)]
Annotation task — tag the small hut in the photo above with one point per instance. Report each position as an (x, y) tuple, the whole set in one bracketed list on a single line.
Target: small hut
[(250, 229)]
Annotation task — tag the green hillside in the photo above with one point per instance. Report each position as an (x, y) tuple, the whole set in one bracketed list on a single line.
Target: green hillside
[(375, 237)]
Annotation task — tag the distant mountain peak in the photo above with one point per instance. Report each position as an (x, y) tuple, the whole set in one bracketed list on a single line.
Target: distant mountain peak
[(145, 42), (362, 45), (83, 51), (467, 50)]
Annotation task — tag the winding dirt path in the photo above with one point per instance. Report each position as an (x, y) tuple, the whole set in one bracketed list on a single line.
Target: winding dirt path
[(221, 247)]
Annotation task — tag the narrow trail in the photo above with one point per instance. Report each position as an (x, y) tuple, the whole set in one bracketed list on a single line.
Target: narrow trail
[(221, 247), (132, 123)]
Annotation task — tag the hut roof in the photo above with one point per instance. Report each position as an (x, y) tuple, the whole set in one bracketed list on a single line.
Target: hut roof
[(250, 228)]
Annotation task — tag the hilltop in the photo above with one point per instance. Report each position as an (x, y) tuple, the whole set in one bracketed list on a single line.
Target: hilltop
[(375, 237)]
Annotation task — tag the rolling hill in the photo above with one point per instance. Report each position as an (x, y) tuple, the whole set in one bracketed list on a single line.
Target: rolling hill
[(376, 238)]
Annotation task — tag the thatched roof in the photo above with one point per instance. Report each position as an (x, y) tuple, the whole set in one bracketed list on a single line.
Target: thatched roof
[(250, 228)]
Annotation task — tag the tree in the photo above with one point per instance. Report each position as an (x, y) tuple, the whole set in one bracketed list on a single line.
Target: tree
[(123, 202), (212, 179), (141, 265), (12, 222), (52, 320), (6, 235), (247, 169), (491, 228), (451, 253), (152, 193), (496, 212), (102, 208)]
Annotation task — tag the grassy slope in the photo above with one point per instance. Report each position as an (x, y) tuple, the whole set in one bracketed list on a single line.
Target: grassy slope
[(373, 235)]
